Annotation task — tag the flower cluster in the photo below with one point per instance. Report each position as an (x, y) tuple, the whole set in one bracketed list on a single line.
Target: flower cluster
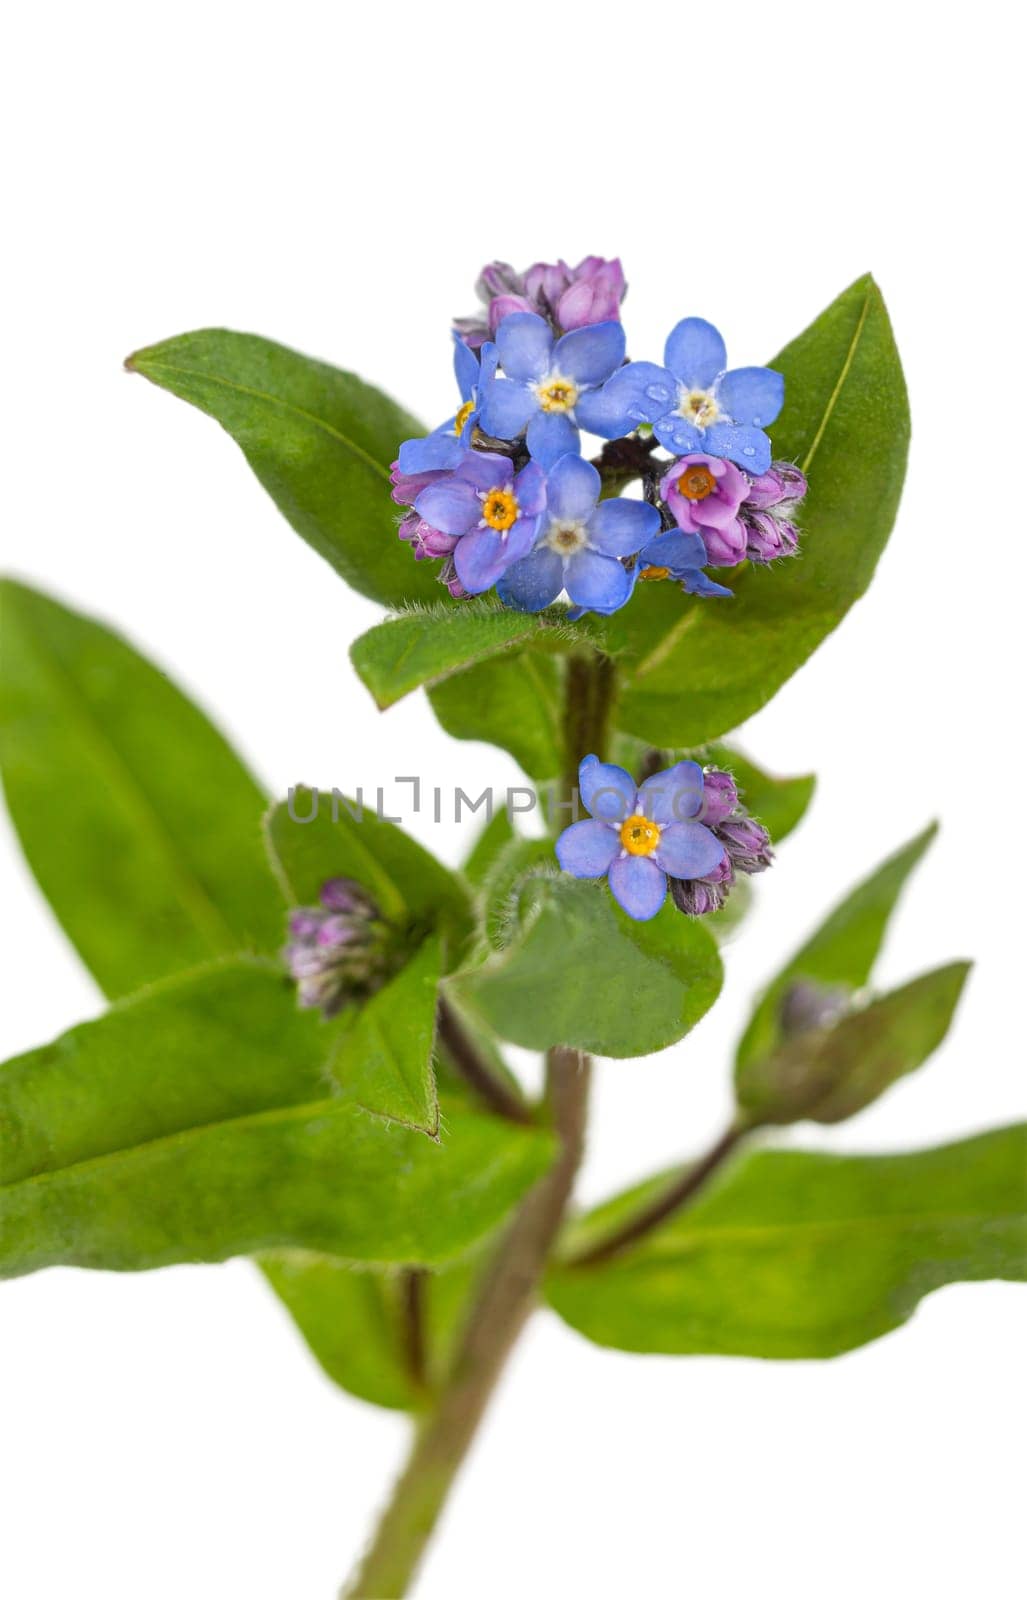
[(336, 951), (500, 492), (683, 825)]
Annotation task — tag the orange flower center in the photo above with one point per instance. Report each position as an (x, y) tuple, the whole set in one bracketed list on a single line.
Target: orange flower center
[(499, 509), (653, 574), (696, 483), (639, 836)]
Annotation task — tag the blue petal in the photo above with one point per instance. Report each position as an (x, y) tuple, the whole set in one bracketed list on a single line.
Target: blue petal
[(484, 555), (688, 850), (639, 392), (752, 396), (673, 795), (681, 438), (607, 792), (699, 583), (534, 583), (638, 886), (442, 451), (452, 507), (506, 407), (525, 346), (747, 447), (596, 582), (587, 849), (679, 551), (466, 368), (529, 487), (572, 489), (622, 527), (695, 352), (589, 355), (551, 434)]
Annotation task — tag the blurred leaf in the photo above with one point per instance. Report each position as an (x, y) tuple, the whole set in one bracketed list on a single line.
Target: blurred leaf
[(828, 1074), (194, 1123), (384, 1060), (426, 646), (497, 833), (514, 702), (140, 824), (695, 668), (346, 838), (319, 440), (522, 860), (843, 949), (794, 1254), (579, 972)]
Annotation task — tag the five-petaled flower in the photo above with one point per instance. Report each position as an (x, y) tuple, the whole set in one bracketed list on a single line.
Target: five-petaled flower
[(492, 513), (680, 557), (580, 544), (691, 402), (546, 387), (704, 494), (638, 836), (444, 448)]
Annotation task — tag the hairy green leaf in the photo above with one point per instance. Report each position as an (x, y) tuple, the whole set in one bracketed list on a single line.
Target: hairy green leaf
[(197, 1122), (695, 668), (426, 646), (579, 972), (384, 1060), (795, 1254), (842, 950), (512, 701), (497, 833), (319, 440), (828, 1074), (140, 824)]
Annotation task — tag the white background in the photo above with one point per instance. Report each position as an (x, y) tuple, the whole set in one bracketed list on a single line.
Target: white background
[(333, 176)]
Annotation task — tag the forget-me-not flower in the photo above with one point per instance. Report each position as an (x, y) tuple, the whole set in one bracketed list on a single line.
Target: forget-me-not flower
[(544, 383), (490, 512), (580, 544), (691, 402)]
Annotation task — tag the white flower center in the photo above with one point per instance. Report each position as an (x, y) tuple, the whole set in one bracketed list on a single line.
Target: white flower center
[(566, 537), (698, 406), (556, 394)]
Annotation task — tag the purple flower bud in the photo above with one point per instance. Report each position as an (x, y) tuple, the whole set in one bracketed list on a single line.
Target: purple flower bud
[(498, 277), (337, 951), (781, 483), (406, 486), (449, 578), (304, 924), (697, 897), (567, 297), (428, 542), (806, 1006), (747, 843), (503, 305), (347, 896), (768, 536), (719, 796), (594, 294)]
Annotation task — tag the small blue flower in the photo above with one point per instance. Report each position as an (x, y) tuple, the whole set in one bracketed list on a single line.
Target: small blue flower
[(691, 403), (637, 837), (444, 449), (681, 557), (580, 545), (544, 383)]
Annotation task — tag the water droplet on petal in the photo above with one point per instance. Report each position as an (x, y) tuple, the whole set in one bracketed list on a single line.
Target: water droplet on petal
[(748, 450), (658, 391), (636, 413), (757, 422)]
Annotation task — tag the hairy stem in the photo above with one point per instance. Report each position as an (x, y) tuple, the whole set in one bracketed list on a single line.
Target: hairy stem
[(664, 1205), (466, 1059), (504, 1303)]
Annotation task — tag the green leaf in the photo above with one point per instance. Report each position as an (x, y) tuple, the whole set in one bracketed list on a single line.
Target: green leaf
[(426, 646), (497, 833), (829, 1074), (384, 1060), (779, 803), (843, 949), (695, 668), (196, 1122), (514, 702), (347, 838), (319, 440), (798, 1255), (579, 972), (140, 824), (351, 1320)]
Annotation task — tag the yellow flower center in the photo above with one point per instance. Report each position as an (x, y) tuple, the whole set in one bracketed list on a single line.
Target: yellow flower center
[(499, 509), (557, 394), (699, 406), (639, 836), (462, 416), (566, 537), (696, 483), (653, 574)]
